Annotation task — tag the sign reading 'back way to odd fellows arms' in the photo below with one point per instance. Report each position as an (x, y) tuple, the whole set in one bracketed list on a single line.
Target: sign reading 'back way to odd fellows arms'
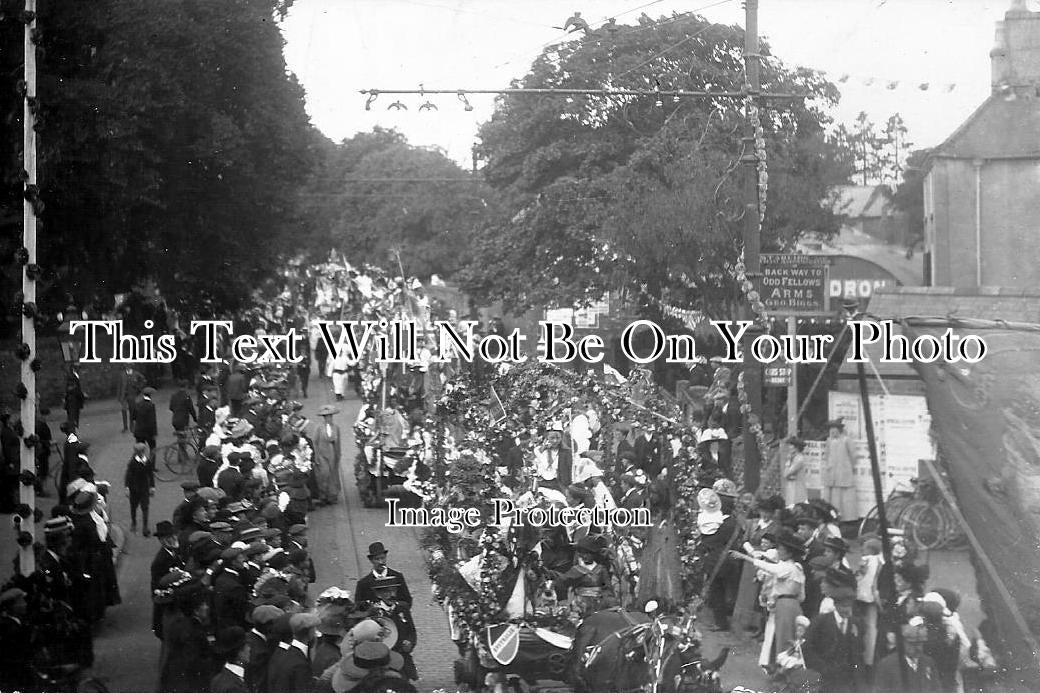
[(794, 283)]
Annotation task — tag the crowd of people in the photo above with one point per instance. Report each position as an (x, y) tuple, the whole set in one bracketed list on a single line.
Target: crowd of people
[(232, 576)]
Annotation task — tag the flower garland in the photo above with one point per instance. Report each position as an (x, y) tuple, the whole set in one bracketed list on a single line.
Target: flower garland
[(753, 422)]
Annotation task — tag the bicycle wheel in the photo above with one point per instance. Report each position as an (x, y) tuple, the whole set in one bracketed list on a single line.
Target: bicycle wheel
[(924, 524), (956, 537), (869, 524), (166, 471)]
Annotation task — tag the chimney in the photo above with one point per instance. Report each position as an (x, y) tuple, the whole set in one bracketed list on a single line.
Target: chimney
[(1015, 58)]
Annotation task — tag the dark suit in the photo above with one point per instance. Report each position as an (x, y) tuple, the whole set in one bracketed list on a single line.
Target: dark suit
[(74, 397), (127, 391), (237, 388), (227, 682), (56, 578), (205, 470), (16, 641), (365, 590), (833, 655), (186, 663), (145, 426), (230, 599), (888, 678), (289, 671), (260, 650), (163, 562), (183, 410)]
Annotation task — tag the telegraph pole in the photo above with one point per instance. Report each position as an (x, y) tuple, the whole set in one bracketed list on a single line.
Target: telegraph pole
[(27, 492), (752, 248)]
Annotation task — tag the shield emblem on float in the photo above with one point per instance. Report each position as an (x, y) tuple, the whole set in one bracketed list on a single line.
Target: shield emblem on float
[(504, 642)]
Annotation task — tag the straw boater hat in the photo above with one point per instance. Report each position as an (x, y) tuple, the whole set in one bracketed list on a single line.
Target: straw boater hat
[(838, 423), (328, 410)]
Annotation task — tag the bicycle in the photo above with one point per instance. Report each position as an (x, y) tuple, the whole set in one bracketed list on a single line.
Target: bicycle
[(179, 457), (898, 500)]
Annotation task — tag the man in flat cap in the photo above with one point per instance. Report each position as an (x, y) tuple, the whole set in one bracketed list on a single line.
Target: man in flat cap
[(261, 645), (232, 647), (230, 592), (145, 426), (289, 670), (190, 489)]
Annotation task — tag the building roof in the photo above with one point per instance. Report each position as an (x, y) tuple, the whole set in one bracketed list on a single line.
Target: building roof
[(1000, 128), (856, 201), (987, 302), (889, 257)]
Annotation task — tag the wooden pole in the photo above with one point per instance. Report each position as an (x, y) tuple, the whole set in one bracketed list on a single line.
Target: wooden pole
[(879, 499), (792, 389), (27, 494), (983, 557), (752, 245)]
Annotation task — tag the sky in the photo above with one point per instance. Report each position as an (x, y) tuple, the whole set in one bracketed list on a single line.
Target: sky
[(338, 47)]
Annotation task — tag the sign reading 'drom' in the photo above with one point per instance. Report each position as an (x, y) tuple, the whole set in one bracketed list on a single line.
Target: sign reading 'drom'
[(794, 284)]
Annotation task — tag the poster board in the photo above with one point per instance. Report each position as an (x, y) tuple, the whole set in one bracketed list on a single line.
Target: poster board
[(902, 426)]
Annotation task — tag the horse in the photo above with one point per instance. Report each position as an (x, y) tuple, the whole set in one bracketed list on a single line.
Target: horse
[(622, 652)]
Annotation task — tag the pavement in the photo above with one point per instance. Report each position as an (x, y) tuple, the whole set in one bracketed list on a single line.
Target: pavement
[(127, 653)]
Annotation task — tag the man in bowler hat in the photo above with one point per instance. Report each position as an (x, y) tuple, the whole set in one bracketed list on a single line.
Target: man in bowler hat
[(366, 586), (165, 560)]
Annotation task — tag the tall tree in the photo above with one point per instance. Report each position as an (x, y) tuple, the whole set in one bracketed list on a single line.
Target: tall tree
[(172, 145), (378, 198), (601, 193), (909, 195)]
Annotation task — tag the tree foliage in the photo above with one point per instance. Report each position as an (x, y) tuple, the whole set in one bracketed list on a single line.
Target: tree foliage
[(600, 193), (375, 196), (909, 194), (172, 144)]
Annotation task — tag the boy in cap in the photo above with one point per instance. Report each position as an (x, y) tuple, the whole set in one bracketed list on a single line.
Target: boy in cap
[(553, 459), (181, 514), (139, 481), (145, 426), (261, 645)]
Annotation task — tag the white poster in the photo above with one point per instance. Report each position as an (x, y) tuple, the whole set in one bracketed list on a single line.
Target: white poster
[(902, 429)]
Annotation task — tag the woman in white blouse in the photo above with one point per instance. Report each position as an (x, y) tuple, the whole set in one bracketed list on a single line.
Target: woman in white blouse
[(785, 599)]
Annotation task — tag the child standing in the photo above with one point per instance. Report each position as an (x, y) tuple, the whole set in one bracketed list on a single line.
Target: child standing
[(868, 599)]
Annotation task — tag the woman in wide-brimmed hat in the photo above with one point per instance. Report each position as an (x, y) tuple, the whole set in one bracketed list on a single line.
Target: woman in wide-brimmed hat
[(785, 598), (367, 660), (327, 449)]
